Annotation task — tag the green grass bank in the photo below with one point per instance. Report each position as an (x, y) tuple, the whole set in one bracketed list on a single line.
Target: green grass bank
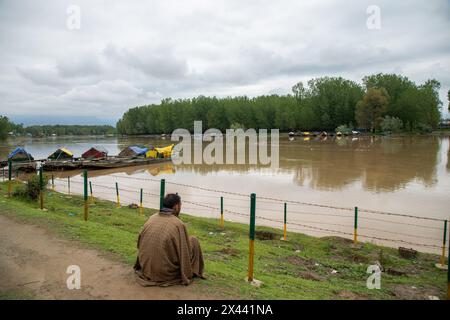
[(303, 267)]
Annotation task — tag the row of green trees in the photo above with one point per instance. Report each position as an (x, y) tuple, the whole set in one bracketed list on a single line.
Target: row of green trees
[(321, 104), (76, 130), (7, 127)]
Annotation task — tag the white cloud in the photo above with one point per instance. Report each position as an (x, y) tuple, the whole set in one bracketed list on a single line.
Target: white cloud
[(130, 54)]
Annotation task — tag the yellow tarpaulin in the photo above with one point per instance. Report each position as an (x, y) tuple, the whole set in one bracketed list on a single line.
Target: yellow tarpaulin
[(151, 154), (165, 152), (59, 153), (66, 151), (167, 169)]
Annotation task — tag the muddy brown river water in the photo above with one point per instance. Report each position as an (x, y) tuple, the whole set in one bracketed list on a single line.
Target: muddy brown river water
[(321, 180)]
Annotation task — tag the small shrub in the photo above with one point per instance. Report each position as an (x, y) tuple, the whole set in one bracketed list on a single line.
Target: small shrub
[(20, 192), (31, 189)]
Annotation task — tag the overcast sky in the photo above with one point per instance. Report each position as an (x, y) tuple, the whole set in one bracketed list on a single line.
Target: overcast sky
[(137, 52)]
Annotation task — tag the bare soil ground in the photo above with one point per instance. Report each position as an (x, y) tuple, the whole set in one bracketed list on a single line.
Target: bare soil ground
[(33, 263)]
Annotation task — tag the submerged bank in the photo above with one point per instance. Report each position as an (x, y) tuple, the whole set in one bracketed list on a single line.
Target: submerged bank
[(304, 267)]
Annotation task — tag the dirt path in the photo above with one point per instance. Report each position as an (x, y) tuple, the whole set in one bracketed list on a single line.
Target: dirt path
[(35, 261)]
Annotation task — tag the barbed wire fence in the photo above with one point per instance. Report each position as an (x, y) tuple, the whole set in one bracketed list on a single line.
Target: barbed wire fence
[(240, 209), (297, 223)]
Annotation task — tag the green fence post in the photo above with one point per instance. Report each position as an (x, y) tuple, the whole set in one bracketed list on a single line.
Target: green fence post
[(41, 188), (9, 177), (444, 243), (85, 189), (117, 194), (251, 237), (448, 273), (355, 234), (140, 201), (221, 213), (53, 183), (162, 192), (285, 222), (90, 189)]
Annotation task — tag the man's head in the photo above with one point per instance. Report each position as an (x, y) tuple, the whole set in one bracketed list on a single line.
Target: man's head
[(173, 201)]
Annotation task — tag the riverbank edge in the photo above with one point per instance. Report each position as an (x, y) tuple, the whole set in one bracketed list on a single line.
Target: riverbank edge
[(304, 267), (438, 132)]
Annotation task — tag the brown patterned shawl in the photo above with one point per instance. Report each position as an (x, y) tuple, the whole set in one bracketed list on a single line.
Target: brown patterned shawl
[(167, 255)]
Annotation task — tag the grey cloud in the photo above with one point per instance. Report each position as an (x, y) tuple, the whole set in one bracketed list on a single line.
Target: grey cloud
[(82, 66), (131, 54), (159, 63), (41, 75)]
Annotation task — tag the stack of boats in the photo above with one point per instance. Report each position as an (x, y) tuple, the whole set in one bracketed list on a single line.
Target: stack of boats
[(94, 158), (321, 134)]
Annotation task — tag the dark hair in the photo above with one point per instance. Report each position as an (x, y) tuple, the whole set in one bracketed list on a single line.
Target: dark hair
[(171, 199)]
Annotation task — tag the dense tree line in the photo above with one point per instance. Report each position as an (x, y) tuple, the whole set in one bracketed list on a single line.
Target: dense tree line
[(322, 104), (7, 127), (417, 106), (75, 130)]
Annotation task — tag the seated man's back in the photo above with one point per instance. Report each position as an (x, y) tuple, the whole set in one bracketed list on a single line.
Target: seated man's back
[(167, 255)]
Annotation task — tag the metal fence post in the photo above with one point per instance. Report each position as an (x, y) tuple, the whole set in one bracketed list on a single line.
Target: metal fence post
[(221, 213), (117, 194), (9, 177), (41, 188), (92, 194), (162, 191), (140, 201), (355, 235), (285, 222), (444, 243), (448, 273), (251, 237), (86, 205)]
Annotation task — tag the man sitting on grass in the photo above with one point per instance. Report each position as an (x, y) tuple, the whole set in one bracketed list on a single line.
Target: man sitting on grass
[(167, 255)]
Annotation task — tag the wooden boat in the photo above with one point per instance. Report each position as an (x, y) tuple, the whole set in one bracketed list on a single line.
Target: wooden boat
[(22, 166), (153, 168), (105, 163), (62, 159), (120, 162), (21, 161)]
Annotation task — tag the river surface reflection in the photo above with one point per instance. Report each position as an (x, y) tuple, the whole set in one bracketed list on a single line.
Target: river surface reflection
[(408, 175)]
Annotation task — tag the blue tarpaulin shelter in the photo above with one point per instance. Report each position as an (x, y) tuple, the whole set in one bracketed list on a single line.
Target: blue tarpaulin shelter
[(133, 151), (19, 154)]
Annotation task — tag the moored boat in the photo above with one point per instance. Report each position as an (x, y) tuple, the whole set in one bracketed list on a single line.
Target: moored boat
[(105, 163), (130, 156), (94, 158), (21, 160)]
